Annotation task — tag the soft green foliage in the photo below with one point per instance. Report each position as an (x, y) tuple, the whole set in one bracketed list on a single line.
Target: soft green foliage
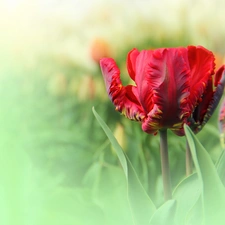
[(164, 214), (187, 194), (220, 165), (141, 205), (212, 189)]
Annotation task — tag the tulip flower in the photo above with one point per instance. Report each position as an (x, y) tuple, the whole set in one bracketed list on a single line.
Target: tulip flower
[(173, 86)]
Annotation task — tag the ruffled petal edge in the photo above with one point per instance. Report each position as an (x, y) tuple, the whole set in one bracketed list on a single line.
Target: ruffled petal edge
[(125, 98)]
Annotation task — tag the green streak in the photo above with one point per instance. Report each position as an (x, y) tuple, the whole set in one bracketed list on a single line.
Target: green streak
[(188, 161)]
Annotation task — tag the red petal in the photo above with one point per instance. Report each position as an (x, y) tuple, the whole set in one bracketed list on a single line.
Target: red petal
[(131, 62), (144, 85), (202, 65), (111, 75), (219, 74), (151, 124), (210, 101), (162, 80), (124, 98), (203, 105)]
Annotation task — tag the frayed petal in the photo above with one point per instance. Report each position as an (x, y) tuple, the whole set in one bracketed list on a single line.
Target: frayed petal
[(218, 75), (202, 107), (111, 75), (152, 123), (202, 66), (179, 131), (145, 90), (214, 102), (131, 62), (125, 99)]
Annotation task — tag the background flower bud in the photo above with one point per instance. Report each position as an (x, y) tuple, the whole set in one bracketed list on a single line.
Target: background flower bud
[(99, 49)]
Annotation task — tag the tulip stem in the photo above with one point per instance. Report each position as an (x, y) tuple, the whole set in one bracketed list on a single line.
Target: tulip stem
[(188, 161), (165, 165)]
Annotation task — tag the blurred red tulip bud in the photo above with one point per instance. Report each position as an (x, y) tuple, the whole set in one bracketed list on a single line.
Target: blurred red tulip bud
[(99, 49)]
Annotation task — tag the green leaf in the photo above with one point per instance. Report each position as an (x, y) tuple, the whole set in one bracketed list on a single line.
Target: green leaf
[(115, 205), (195, 215), (220, 166), (187, 193), (213, 191), (164, 214), (114, 142), (141, 205)]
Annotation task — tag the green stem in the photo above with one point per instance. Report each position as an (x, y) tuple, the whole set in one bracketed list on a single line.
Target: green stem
[(165, 165), (188, 161)]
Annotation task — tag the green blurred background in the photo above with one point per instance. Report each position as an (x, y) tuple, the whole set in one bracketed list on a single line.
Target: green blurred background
[(56, 164)]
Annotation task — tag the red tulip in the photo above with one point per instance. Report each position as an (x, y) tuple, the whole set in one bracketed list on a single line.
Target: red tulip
[(173, 86)]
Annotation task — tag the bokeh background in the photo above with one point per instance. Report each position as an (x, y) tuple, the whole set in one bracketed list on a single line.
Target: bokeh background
[(56, 164)]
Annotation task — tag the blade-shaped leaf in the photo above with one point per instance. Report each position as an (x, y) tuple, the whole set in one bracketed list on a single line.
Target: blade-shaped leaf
[(195, 215), (141, 205), (164, 214), (213, 192), (114, 142), (186, 194), (220, 166)]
